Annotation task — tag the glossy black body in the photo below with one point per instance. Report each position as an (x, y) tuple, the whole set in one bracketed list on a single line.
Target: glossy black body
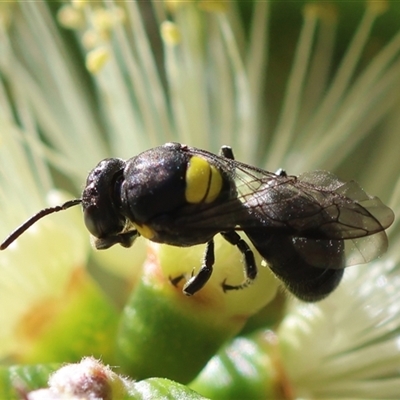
[(307, 228)]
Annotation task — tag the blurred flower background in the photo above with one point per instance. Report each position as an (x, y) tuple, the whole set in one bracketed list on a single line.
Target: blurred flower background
[(295, 85)]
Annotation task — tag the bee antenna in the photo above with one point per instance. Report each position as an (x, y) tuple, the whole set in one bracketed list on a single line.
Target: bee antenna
[(32, 220)]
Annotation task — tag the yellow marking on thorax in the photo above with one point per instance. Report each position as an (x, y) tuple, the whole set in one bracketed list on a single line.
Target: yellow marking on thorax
[(203, 181), (145, 231)]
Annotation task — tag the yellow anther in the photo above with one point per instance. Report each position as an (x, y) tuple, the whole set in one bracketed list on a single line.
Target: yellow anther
[(79, 4), (6, 13), (96, 59), (170, 33), (378, 7), (104, 20), (213, 6), (172, 5), (70, 17), (91, 39), (325, 11)]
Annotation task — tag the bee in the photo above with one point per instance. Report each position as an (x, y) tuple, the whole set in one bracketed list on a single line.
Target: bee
[(308, 228)]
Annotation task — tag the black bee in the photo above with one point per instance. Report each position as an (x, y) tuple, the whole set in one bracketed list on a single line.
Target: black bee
[(308, 228)]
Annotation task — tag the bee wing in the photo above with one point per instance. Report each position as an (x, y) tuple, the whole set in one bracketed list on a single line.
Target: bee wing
[(353, 212), (365, 249), (322, 253), (316, 205)]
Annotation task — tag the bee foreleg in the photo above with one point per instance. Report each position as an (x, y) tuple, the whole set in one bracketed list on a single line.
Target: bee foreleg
[(249, 262), (195, 283), (125, 239)]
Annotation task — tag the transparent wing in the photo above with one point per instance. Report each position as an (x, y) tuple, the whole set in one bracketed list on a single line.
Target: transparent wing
[(314, 205), (324, 253), (320, 211)]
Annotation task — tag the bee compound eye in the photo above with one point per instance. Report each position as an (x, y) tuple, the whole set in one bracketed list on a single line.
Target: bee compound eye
[(90, 221), (103, 222)]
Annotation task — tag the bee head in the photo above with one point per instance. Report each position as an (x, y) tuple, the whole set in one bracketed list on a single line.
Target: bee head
[(101, 202)]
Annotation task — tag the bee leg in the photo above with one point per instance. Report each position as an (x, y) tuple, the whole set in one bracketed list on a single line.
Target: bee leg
[(124, 239), (226, 151), (195, 283), (249, 263), (176, 280), (281, 172)]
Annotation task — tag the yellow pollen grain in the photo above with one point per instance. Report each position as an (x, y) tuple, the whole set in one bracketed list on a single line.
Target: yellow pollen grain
[(96, 59), (170, 33)]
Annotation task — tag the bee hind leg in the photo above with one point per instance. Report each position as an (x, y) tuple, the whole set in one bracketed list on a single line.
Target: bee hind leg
[(250, 267), (196, 282)]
